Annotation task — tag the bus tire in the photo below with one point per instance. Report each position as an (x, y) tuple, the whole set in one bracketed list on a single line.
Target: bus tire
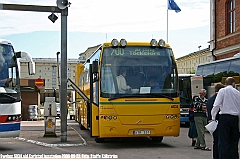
[(82, 127), (99, 140), (157, 139)]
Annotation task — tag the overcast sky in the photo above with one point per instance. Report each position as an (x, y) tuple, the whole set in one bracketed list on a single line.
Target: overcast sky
[(93, 22)]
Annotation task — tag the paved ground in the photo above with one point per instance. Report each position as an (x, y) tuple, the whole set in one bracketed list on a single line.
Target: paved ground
[(34, 132)]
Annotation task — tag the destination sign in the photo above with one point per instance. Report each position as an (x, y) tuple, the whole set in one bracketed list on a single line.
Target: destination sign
[(136, 51)]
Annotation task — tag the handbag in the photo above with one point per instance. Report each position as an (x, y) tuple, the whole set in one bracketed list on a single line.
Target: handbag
[(212, 126)]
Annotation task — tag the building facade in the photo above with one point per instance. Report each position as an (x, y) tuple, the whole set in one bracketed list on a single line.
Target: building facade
[(187, 64), (46, 68), (224, 36), (224, 28), (86, 54)]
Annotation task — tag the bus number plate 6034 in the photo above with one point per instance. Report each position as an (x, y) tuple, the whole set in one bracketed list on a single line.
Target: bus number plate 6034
[(141, 132)]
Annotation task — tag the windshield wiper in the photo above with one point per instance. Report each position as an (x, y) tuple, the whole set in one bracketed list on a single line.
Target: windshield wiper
[(140, 95), (161, 95), (125, 96)]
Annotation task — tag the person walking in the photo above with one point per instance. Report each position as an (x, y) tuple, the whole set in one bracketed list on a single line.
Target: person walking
[(210, 103), (228, 102), (200, 118)]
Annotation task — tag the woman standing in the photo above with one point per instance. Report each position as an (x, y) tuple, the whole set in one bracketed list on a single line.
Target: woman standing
[(192, 132)]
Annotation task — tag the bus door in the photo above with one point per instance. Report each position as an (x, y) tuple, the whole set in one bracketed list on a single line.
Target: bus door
[(94, 101)]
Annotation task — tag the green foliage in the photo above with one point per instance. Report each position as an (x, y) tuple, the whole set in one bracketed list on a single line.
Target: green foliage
[(192, 72), (218, 77)]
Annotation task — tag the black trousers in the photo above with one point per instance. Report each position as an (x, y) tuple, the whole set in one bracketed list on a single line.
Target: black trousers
[(228, 137), (215, 144)]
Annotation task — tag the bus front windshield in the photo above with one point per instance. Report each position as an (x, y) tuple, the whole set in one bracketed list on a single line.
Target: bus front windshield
[(138, 71), (9, 79)]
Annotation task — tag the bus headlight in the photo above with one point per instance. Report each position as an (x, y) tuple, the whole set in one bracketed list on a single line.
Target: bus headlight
[(108, 118), (153, 42), (114, 42), (161, 43), (123, 42), (172, 116)]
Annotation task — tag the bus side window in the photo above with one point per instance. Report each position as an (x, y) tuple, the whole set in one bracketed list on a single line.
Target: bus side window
[(107, 82)]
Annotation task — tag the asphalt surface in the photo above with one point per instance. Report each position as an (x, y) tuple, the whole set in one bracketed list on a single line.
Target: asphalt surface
[(38, 132), (33, 132)]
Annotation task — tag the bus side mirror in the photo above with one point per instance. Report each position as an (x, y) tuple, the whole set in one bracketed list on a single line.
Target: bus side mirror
[(95, 71), (180, 85), (95, 67)]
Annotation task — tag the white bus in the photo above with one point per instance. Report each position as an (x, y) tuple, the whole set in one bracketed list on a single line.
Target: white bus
[(217, 71), (220, 68), (10, 100)]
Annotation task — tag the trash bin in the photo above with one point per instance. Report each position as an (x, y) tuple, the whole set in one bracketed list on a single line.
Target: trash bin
[(33, 112)]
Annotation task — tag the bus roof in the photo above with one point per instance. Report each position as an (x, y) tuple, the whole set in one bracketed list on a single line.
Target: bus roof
[(236, 56), (7, 42), (131, 43), (135, 43)]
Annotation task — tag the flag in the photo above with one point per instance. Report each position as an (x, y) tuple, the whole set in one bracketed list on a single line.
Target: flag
[(173, 6)]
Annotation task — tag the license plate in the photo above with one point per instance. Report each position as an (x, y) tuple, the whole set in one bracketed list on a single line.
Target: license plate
[(141, 132)]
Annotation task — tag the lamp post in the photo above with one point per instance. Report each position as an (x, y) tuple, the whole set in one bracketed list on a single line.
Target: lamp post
[(199, 54), (63, 87), (199, 47)]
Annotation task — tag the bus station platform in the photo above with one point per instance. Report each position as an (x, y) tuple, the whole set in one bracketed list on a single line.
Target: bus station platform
[(34, 132)]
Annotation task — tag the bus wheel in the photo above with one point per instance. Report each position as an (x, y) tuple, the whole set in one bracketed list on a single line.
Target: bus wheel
[(99, 140), (157, 139), (82, 127)]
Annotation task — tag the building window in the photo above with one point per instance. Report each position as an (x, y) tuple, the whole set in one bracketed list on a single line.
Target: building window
[(231, 16)]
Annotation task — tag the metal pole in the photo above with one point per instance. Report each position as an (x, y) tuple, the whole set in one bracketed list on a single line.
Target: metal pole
[(33, 8), (58, 76), (63, 90), (167, 25)]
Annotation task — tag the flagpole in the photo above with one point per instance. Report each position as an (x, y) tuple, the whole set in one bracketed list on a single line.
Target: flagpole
[(167, 25), (171, 5), (167, 20)]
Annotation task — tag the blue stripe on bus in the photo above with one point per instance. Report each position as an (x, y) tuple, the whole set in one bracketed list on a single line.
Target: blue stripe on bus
[(9, 127)]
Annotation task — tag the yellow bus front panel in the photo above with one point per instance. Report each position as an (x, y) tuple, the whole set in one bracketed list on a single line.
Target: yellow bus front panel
[(134, 119)]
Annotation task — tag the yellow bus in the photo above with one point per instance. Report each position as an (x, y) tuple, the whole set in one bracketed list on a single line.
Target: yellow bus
[(142, 109)]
